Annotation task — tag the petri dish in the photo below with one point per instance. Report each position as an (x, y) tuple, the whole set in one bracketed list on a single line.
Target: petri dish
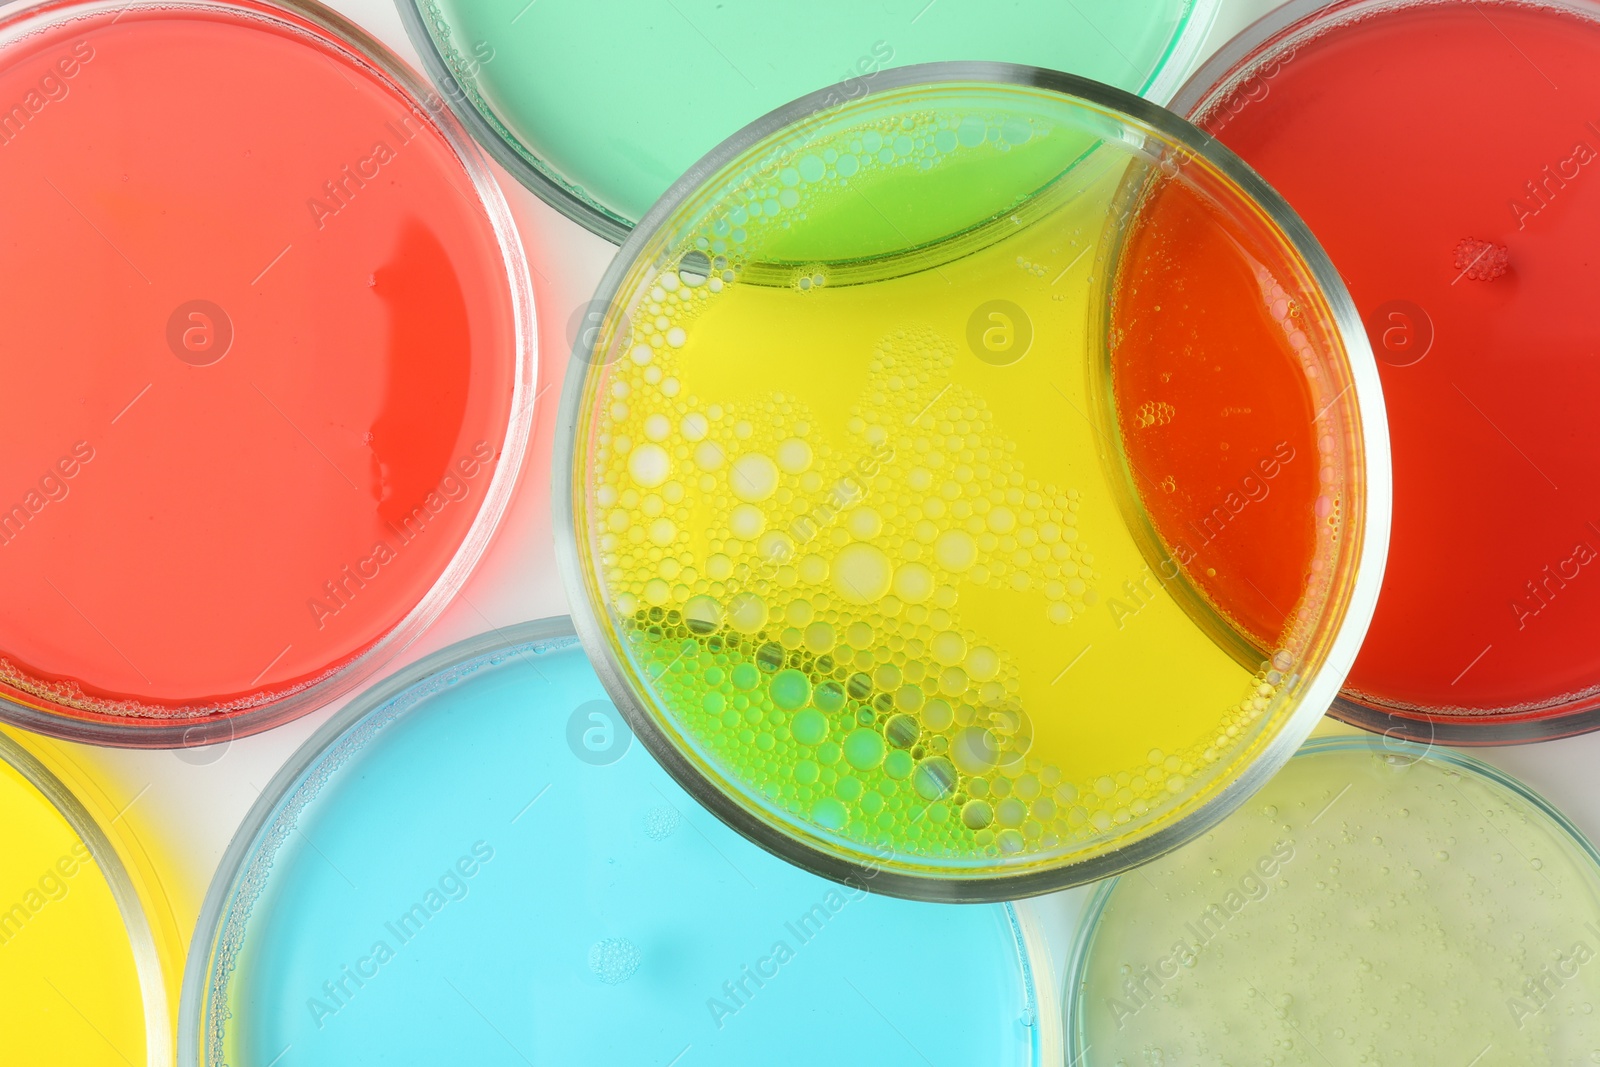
[(600, 142), (89, 951), (1333, 919), (1485, 629), (981, 482), (559, 900), (290, 333)]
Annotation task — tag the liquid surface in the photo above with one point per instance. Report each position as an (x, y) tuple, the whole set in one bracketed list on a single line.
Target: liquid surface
[(609, 134), (1238, 473), (1364, 907), (1473, 282), (560, 901), (280, 357), (854, 525), (69, 989)]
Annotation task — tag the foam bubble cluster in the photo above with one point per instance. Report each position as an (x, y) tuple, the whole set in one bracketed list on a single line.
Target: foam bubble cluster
[(791, 596), (614, 960)]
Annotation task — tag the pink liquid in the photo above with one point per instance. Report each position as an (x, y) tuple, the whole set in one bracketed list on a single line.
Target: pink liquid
[(260, 349), (1448, 158)]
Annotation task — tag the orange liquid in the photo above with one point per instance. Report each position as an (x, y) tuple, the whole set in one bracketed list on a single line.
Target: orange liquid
[(1215, 412)]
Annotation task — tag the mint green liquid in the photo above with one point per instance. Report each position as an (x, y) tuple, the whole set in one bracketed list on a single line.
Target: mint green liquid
[(615, 101)]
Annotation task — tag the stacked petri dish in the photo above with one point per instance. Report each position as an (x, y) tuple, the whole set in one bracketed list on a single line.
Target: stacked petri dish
[(90, 954), (1471, 280), (981, 481), (273, 342), (601, 139), (560, 900)]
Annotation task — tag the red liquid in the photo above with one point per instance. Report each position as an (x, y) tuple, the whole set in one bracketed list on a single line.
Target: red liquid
[(1215, 412), (199, 522), (1407, 142)]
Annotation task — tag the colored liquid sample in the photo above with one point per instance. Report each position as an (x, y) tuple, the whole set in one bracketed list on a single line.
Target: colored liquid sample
[(1372, 904), (848, 509), (262, 351), (70, 989), (608, 136), (1474, 282), (560, 901), (1207, 345)]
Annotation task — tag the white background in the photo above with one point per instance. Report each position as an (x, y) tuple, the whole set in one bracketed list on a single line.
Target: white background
[(186, 810)]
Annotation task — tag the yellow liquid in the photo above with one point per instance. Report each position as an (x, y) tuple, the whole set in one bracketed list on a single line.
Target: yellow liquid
[(69, 989), (880, 580)]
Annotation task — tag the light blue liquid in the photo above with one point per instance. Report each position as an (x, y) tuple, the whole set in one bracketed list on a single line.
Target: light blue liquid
[(602, 917), (614, 101)]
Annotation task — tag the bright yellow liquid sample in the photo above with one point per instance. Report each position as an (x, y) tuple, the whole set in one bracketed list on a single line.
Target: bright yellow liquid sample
[(69, 990), (881, 579)]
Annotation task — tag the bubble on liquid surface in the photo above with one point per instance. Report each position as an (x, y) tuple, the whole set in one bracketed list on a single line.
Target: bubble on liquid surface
[(661, 822), (614, 960)]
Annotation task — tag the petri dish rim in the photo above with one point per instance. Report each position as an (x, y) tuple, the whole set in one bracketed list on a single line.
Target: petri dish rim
[(146, 913), (1182, 52), (1225, 73), (361, 47), (200, 985), (1089, 923), (1371, 420)]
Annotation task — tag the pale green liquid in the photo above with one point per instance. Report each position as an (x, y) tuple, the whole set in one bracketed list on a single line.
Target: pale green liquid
[(1362, 909), (616, 100)]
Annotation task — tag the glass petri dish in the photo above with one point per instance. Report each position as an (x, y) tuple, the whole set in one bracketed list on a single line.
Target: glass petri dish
[(560, 900), (1336, 917), (599, 142), (981, 482), (290, 333), (89, 950), (1471, 283)]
